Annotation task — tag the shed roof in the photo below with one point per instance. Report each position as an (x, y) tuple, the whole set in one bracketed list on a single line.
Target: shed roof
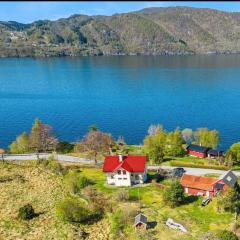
[(140, 218), (215, 152), (197, 148), (198, 182)]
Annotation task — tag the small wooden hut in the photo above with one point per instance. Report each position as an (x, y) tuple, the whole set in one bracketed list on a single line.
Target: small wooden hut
[(140, 221)]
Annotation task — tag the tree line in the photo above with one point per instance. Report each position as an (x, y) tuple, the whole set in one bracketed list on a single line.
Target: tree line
[(158, 144)]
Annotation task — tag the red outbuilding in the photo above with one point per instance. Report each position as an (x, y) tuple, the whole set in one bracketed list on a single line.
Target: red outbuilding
[(202, 186), (197, 151)]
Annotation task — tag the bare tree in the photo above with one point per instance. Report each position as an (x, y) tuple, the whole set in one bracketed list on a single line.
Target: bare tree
[(154, 129), (41, 137), (95, 142)]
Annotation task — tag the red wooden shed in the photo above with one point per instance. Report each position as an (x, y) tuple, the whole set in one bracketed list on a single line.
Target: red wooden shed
[(197, 151), (205, 186)]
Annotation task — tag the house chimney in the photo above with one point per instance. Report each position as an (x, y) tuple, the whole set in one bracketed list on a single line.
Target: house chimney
[(120, 158)]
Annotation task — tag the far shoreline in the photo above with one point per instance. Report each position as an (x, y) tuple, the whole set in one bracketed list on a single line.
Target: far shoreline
[(125, 55)]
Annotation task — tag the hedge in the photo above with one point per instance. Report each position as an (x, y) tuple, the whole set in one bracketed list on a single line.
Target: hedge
[(192, 165)]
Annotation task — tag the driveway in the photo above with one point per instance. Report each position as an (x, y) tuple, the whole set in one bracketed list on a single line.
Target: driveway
[(194, 171)]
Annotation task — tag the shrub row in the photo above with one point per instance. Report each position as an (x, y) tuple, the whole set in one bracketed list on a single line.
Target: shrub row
[(185, 164)]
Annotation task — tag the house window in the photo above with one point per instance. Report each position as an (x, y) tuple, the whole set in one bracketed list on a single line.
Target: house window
[(136, 177), (112, 176), (119, 172), (124, 172), (124, 178), (119, 178)]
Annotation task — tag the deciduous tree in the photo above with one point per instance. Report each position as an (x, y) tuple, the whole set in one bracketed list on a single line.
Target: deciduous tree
[(174, 195), (154, 145), (41, 137), (154, 128), (95, 143), (230, 199), (233, 155), (21, 144), (207, 138), (174, 142), (188, 135)]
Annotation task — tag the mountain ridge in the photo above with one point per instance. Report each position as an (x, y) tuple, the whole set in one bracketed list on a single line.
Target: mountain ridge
[(150, 31)]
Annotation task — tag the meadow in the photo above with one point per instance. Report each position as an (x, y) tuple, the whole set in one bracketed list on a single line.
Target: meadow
[(26, 182)]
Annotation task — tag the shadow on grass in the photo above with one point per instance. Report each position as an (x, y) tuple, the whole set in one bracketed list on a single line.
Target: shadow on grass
[(151, 225), (95, 217), (38, 214), (133, 198), (156, 177), (4, 179), (190, 199)]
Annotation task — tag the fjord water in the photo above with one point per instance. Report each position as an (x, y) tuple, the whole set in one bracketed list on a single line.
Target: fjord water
[(121, 94)]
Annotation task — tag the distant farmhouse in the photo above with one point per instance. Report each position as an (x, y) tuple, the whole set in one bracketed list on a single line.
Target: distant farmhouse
[(206, 186), (203, 152), (125, 170)]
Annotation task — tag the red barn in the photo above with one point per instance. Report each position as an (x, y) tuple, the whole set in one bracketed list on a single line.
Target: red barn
[(202, 186), (197, 151)]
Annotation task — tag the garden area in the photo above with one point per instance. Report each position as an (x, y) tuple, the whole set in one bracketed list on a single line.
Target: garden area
[(72, 201)]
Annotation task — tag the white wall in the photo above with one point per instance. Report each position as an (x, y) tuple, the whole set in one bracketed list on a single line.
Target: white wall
[(126, 179), (119, 179)]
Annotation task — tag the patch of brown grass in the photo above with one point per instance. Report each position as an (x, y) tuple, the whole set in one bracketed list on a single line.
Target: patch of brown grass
[(26, 183)]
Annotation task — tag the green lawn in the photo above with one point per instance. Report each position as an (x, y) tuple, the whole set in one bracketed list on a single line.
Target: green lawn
[(192, 215)]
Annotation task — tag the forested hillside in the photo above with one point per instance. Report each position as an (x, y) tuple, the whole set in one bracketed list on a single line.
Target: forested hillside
[(151, 31)]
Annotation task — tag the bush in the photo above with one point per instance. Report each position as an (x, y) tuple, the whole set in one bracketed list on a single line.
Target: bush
[(73, 210), (52, 165), (121, 219), (56, 167), (75, 182), (65, 147), (227, 235), (122, 195), (26, 212), (95, 198), (174, 195)]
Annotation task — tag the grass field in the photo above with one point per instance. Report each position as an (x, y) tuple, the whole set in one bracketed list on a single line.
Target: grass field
[(25, 183)]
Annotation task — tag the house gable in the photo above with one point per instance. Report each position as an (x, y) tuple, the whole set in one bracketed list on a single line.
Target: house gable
[(229, 178)]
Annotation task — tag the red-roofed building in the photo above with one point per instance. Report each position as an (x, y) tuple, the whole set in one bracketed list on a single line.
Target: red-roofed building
[(125, 170), (202, 186)]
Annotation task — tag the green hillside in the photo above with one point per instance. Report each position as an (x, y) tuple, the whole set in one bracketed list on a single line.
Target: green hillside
[(151, 31)]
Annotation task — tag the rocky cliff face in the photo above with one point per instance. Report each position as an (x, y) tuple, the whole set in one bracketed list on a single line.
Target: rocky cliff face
[(151, 31)]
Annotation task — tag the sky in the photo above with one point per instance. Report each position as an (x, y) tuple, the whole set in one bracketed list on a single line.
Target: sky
[(27, 12)]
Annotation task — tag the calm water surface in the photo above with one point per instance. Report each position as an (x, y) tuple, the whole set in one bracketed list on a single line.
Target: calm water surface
[(121, 95)]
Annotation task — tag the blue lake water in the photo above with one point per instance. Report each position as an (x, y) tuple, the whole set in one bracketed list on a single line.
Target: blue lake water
[(122, 95)]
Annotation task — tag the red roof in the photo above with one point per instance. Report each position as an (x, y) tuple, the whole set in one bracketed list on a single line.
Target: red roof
[(131, 163), (198, 182)]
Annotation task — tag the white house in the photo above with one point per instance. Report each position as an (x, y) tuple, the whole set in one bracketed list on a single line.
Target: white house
[(125, 170)]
